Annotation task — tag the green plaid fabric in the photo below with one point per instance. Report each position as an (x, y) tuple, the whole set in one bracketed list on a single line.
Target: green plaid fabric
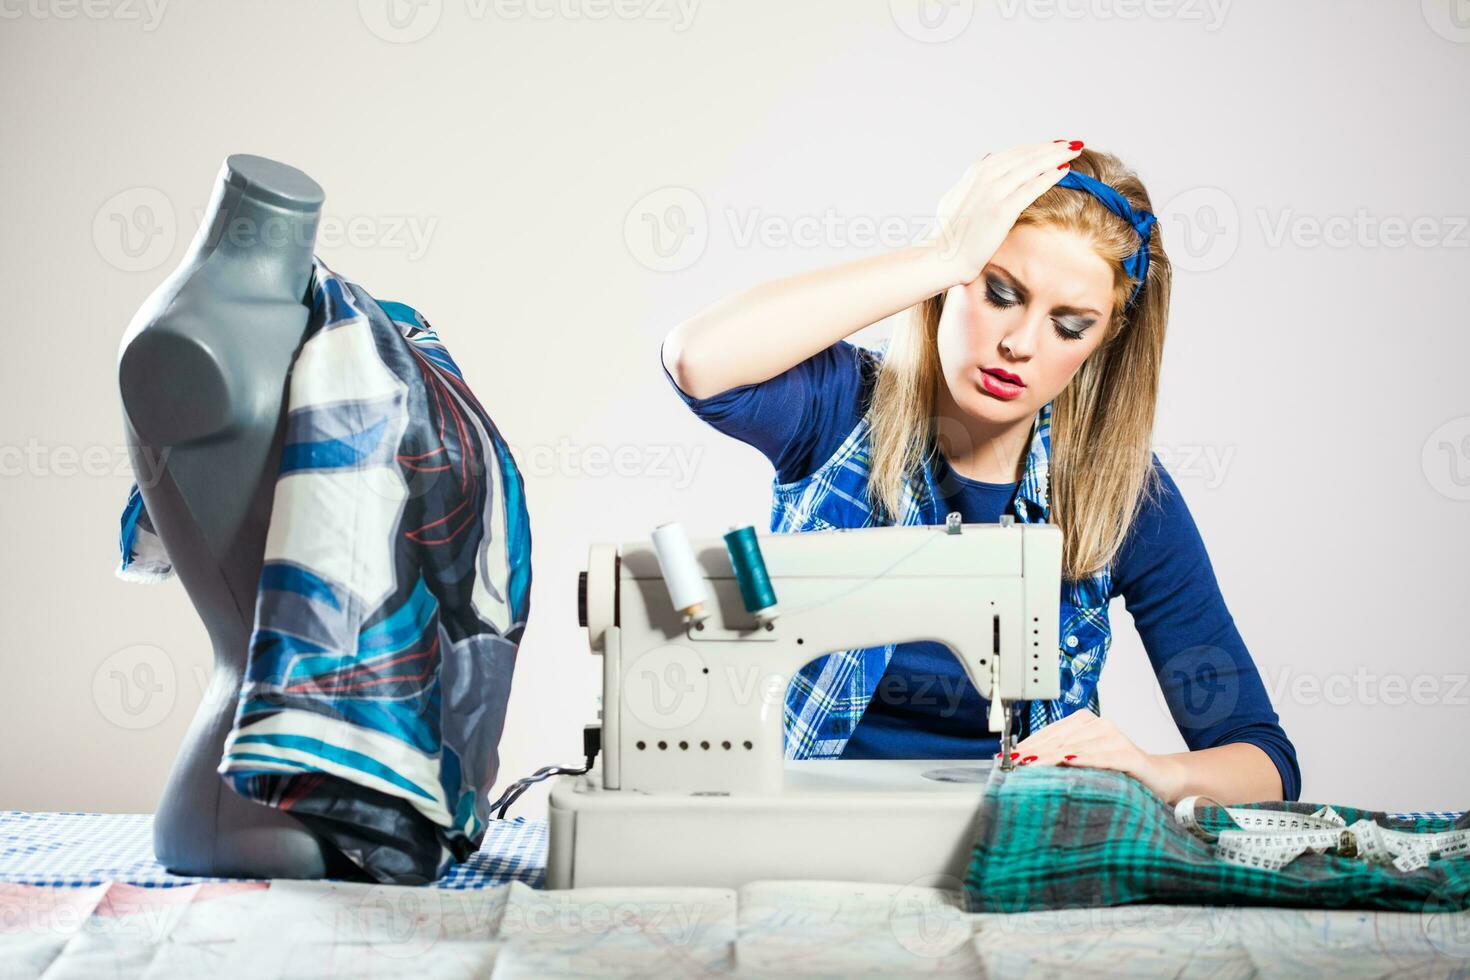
[(1054, 837)]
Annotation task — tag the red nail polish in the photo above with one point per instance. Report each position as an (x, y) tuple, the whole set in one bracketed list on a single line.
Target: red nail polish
[(1028, 760), (1068, 758), (1063, 166), (1075, 145), (1015, 755)]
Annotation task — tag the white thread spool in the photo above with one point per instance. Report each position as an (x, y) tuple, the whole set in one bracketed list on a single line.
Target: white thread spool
[(681, 572)]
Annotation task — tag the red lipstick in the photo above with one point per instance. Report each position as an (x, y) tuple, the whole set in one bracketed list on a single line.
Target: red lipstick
[(1001, 384)]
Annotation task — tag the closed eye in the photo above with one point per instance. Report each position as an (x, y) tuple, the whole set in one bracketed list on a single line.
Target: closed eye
[(1066, 334), (1002, 299), (995, 297)]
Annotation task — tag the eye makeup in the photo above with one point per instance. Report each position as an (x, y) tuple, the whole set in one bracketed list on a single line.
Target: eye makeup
[(1001, 295)]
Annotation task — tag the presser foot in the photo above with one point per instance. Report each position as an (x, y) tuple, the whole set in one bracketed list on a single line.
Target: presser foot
[(1007, 749)]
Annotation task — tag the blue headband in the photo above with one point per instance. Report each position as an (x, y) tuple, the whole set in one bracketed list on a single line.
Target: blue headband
[(1136, 265)]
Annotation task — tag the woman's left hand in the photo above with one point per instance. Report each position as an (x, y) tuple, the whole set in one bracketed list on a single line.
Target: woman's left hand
[(1084, 739)]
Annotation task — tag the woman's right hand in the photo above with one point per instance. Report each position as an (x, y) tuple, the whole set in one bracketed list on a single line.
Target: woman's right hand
[(766, 329), (977, 213)]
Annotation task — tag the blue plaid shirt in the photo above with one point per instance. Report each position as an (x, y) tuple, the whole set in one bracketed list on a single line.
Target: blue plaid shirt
[(827, 697)]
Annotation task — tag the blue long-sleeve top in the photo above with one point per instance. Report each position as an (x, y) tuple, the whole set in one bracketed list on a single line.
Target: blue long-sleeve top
[(925, 706)]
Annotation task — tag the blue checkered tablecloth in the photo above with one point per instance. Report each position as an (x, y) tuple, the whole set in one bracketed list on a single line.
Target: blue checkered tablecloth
[(78, 850)]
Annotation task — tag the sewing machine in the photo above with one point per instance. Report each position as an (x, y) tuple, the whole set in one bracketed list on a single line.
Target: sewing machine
[(692, 787)]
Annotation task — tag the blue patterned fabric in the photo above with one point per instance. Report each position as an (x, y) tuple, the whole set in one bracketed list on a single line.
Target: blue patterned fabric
[(394, 593), (826, 699)]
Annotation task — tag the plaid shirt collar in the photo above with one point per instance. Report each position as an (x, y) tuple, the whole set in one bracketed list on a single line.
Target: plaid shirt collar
[(1031, 504)]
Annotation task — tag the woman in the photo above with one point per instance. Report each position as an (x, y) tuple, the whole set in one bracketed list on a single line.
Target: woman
[(1023, 380)]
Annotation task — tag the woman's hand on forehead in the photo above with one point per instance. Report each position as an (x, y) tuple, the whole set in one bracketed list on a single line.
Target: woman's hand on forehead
[(977, 213)]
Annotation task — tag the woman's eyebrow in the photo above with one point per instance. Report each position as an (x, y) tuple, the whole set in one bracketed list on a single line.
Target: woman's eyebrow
[(1026, 293)]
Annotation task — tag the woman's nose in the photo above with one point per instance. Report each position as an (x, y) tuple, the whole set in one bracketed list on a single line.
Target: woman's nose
[(1019, 343)]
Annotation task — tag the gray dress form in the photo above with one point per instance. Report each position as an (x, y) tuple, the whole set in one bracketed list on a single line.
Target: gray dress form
[(203, 372)]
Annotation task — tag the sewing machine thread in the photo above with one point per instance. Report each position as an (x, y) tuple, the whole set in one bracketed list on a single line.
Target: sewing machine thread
[(750, 573), (681, 572)]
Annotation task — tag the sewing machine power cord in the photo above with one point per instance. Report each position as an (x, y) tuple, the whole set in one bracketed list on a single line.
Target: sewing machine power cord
[(591, 745)]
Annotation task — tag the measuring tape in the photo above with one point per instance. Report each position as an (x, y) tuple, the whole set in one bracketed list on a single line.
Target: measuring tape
[(1272, 839)]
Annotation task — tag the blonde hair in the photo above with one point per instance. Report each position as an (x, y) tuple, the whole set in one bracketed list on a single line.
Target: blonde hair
[(1102, 422)]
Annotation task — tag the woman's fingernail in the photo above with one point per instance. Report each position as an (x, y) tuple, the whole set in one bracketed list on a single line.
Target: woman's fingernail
[(1028, 760), (1063, 166), (1015, 755), (1068, 758), (1075, 145)]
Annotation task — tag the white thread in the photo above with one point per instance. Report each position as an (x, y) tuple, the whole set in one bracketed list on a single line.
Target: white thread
[(681, 571)]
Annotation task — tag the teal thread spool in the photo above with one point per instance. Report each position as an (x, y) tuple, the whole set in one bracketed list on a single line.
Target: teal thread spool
[(750, 573)]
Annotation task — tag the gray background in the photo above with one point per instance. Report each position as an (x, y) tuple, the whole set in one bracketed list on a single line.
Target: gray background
[(555, 184)]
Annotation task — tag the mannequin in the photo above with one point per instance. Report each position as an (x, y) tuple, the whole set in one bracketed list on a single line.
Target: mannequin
[(203, 372)]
